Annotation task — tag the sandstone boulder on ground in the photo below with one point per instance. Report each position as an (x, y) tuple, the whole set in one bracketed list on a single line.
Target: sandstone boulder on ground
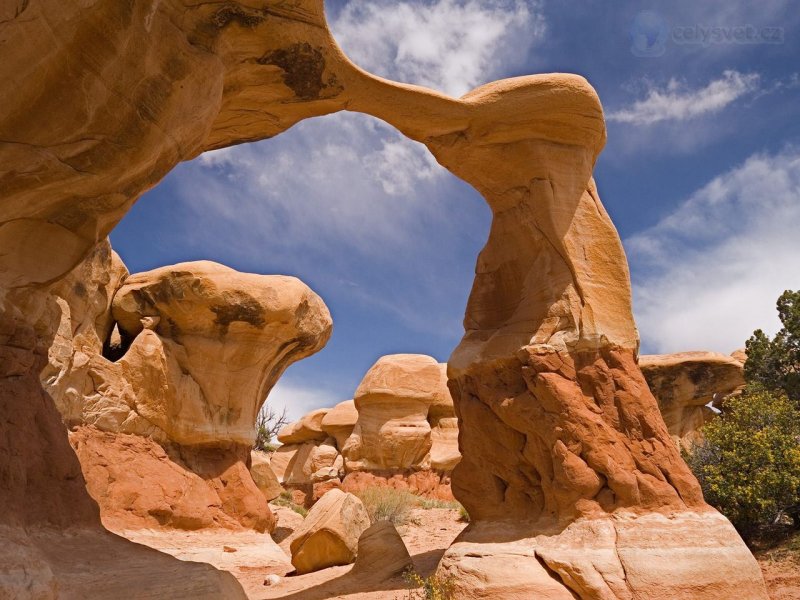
[(381, 553), (329, 535), (263, 475), (690, 388)]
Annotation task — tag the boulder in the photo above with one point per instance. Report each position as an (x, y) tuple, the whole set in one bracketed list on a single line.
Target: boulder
[(340, 421), (295, 464), (691, 388), (329, 535), (307, 429), (382, 553), (263, 475)]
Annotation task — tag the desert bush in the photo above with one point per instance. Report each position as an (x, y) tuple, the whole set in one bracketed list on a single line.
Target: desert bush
[(286, 500), (774, 363), (463, 515), (434, 587), (268, 424), (748, 463), (428, 503), (388, 504)]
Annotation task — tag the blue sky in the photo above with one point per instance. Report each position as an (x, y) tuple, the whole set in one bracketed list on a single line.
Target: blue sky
[(701, 175)]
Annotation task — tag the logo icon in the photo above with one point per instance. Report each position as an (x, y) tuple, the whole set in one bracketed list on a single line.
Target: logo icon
[(649, 33)]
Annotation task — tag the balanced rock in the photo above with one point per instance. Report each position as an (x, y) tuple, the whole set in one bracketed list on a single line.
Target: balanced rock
[(307, 429), (381, 553), (340, 421), (329, 535), (224, 338), (263, 475), (393, 401), (691, 388)]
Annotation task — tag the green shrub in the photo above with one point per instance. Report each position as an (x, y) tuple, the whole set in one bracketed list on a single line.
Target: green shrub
[(774, 363), (388, 504), (749, 461), (463, 515), (434, 587), (286, 500)]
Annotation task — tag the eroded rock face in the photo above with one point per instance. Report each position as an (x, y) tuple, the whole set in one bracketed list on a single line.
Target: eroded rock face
[(340, 421), (330, 532), (137, 483), (223, 338), (307, 429), (545, 381), (685, 383), (393, 400)]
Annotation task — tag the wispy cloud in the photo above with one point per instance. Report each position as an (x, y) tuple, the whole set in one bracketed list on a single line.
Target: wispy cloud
[(678, 102), (449, 45), (299, 399), (709, 273)]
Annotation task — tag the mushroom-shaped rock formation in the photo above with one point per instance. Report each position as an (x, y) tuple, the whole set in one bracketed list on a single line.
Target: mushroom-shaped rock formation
[(393, 401), (330, 532), (563, 447), (223, 338), (687, 385)]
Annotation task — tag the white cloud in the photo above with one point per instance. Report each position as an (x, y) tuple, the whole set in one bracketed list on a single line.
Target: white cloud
[(449, 45), (677, 102), (709, 274), (299, 399)]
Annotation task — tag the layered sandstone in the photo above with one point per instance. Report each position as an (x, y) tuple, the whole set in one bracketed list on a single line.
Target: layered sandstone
[(562, 444), (691, 388)]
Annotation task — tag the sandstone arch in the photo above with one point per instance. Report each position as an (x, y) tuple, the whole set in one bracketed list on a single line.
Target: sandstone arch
[(567, 466)]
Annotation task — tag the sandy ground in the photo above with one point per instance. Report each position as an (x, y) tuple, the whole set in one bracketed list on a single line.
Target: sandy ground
[(252, 557), (258, 556)]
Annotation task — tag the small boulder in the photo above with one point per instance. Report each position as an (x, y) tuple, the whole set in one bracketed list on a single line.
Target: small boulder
[(264, 476), (329, 534), (381, 552)]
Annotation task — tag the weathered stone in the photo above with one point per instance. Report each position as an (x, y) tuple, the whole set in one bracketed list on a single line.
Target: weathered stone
[(307, 429), (329, 535), (340, 421), (263, 475), (381, 553), (222, 339)]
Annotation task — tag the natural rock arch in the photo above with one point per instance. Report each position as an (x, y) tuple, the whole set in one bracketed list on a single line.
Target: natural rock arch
[(568, 470)]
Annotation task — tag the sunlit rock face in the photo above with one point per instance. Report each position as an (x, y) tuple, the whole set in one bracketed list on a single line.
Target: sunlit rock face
[(562, 445), (691, 388), (393, 401), (222, 339)]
